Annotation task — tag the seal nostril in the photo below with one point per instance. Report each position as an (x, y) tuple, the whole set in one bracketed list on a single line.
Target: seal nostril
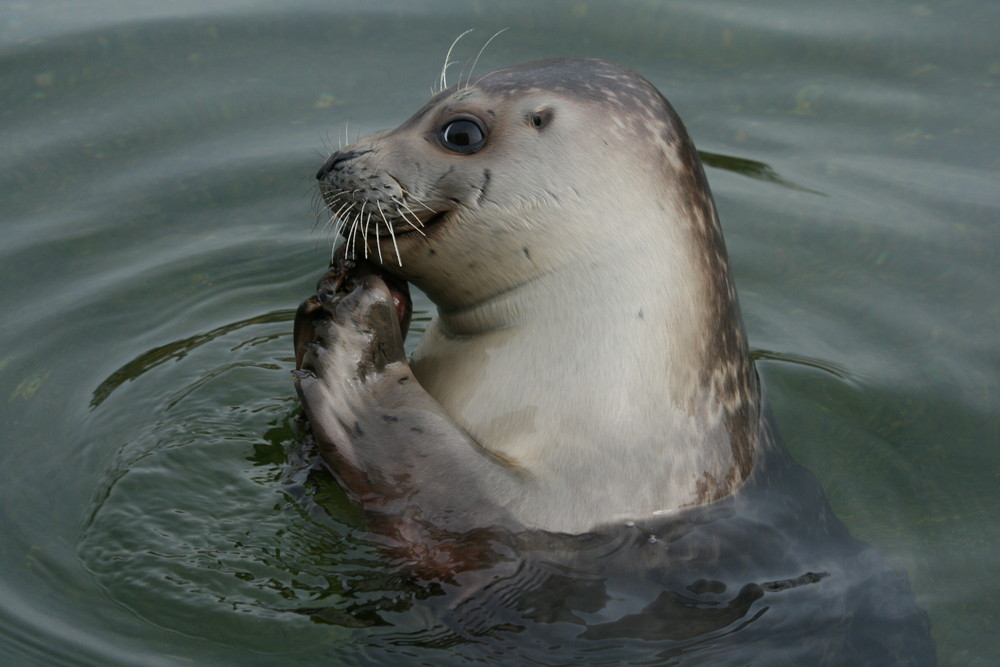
[(326, 168), (331, 164), (336, 162)]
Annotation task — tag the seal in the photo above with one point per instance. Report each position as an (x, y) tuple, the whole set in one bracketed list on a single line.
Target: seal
[(587, 363), (577, 455)]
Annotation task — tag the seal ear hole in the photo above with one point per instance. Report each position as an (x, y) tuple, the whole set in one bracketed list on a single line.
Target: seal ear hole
[(539, 119)]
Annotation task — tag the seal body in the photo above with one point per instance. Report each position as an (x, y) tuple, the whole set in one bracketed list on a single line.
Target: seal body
[(577, 449), (588, 335)]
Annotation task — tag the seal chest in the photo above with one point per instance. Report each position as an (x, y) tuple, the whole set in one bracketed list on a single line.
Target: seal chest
[(588, 353)]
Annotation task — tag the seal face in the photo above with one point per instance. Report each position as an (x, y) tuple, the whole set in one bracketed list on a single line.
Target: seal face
[(588, 346)]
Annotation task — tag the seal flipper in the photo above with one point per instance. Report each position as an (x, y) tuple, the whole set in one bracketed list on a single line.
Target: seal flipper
[(388, 441), (339, 280)]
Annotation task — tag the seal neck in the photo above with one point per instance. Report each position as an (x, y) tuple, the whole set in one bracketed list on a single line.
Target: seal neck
[(497, 311)]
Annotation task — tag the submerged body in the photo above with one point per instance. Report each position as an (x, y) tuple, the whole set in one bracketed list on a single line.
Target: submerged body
[(586, 372)]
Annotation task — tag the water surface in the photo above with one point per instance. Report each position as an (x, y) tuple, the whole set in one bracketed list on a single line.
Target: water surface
[(159, 223)]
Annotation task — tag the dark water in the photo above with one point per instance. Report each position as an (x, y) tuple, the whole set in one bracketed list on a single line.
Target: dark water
[(158, 224)]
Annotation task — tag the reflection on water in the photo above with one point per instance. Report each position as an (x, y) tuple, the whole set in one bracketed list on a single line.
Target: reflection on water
[(835, 369), (749, 168), (177, 350)]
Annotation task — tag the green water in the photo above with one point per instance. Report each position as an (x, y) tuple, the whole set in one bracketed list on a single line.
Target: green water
[(158, 224)]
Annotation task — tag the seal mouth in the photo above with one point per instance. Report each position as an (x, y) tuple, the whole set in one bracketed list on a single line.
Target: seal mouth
[(399, 290), (408, 228)]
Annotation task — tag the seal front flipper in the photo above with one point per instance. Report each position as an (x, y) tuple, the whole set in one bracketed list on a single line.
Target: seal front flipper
[(336, 284), (389, 442)]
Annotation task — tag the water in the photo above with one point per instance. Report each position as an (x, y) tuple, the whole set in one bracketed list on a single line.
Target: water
[(159, 224)]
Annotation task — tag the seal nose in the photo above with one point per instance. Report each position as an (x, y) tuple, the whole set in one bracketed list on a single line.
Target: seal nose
[(336, 161), (328, 166)]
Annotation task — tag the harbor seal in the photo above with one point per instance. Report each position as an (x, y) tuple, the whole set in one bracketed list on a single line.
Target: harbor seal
[(587, 363), (577, 457)]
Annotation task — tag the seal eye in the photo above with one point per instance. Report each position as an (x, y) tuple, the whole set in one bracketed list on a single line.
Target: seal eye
[(463, 135)]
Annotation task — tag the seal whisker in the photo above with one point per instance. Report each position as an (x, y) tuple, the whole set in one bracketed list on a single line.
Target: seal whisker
[(357, 233), (416, 200), (402, 203), (344, 206), (474, 62), (347, 242), (486, 76), (333, 198), (332, 223), (339, 228), (364, 234), (378, 245), (392, 234), (326, 224), (405, 219), (341, 221), (405, 212), (334, 195), (353, 240), (415, 223), (443, 80)]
